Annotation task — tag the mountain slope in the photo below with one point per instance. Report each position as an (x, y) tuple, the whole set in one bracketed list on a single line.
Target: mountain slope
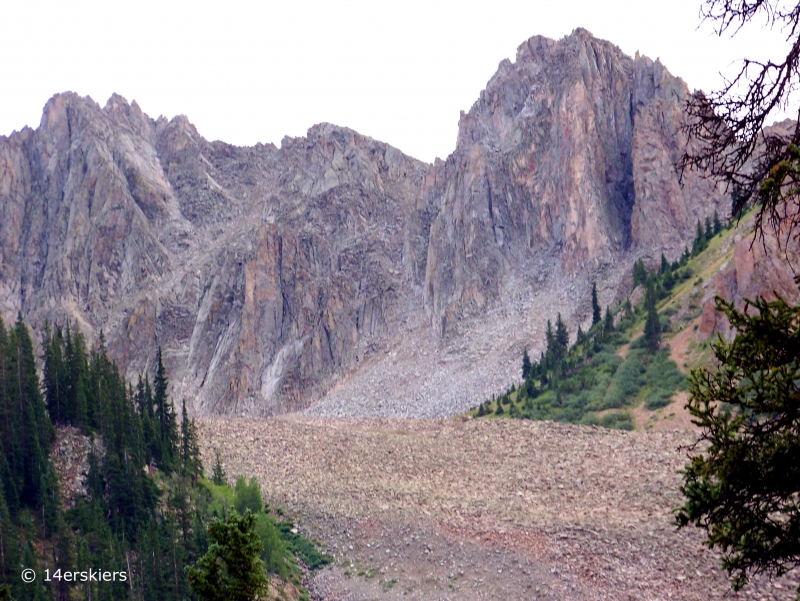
[(612, 374), (272, 276)]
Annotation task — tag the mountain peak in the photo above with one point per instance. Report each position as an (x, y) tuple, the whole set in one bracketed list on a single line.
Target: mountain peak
[(270, 277)]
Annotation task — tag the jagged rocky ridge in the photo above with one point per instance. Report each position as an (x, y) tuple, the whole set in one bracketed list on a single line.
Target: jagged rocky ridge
[(273, 276)]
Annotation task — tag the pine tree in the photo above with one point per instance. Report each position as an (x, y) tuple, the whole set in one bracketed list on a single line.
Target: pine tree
[(550, 349), (742, 486), (717, 225), (596, 305), (561, 337), (608, 323), (191, 463), (76, 378), (699, 243), (218, 475), (709, 233), (32, 432), (664, 265), (639, 277), (526, 364), (231, 569), (652, 325), (165, 419), (53, 345)]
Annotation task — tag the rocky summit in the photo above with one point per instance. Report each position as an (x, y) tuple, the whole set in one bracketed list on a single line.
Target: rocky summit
[(335, 273)]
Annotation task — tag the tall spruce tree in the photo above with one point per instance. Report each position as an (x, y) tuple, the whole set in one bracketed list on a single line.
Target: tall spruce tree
[(561, 337), (77, 377), (54, 374), (652, 325), (165, 419), (191, 464), (31, 431), (596, 313), (218, 475), (526, 364), (639, 276)]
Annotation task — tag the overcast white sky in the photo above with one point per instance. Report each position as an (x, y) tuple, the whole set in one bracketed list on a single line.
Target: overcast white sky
[(245, 71)]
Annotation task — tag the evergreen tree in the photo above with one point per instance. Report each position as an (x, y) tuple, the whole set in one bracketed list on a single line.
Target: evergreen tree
[(743, 487), (526, 364), (218, 475), (596, 315), (668, 281), (191, 463), (580, 337), (717, 225), (231, 569), (31, 432), (652, 325), (699, 243), (54, 374), (639, 277), (165, 421), (76, 379), (709, 233), (608, 323), (561, 338), (550, 349), (144, 403), (664, 265)]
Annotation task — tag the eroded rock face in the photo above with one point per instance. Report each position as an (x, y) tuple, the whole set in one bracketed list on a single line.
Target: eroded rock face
[(760, 266), (571, 151), (258, 270), (268, 274)]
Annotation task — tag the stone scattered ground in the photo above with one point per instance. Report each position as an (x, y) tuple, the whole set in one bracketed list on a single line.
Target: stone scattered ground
[(71, 459), (482, 509)]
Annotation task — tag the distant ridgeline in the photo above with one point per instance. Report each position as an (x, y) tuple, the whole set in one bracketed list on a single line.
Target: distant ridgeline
[(597, 379), (148, 523)]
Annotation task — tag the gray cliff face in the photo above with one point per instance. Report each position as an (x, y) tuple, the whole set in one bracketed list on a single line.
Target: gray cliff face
[(270, 275), (257, 270), (569, 152)]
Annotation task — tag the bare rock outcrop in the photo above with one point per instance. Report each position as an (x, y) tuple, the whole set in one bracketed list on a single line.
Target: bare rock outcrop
[(258, 270), (270, 276), (570, 152), (760, 266)]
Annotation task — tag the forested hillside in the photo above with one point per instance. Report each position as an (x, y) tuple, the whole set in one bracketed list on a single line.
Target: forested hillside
[(144, 508), (623, 361)]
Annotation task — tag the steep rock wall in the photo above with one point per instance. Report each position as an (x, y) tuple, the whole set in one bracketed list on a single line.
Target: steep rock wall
[(271, 275), (570, 151)]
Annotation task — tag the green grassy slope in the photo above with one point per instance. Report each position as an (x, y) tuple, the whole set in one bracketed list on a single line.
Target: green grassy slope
[(610, 372)]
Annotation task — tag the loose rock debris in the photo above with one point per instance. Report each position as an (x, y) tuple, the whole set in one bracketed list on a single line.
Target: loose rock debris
[(482, 509)]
